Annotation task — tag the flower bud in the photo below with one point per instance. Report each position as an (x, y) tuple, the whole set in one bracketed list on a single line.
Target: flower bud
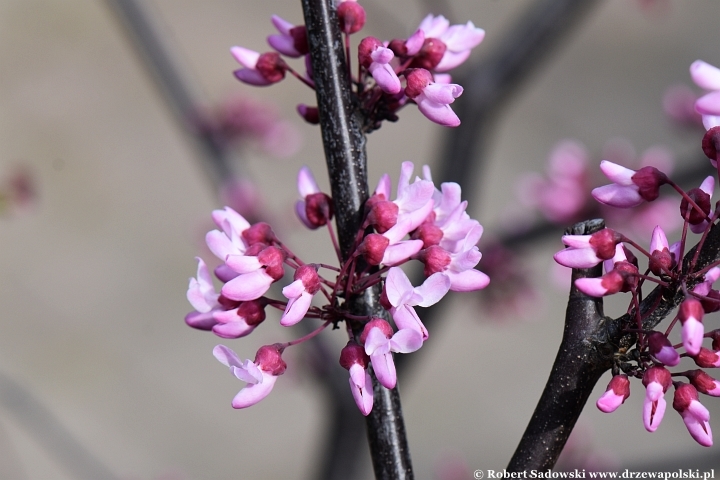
[(269, 359), (617, 392), (310, 114), (430, 54), (271, 66), (662, 350), (351, 16)]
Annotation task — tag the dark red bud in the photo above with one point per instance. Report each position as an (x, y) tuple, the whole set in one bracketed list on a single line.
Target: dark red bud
[(398, 47), (318, 209), (271, 66), (656, 342), (260, 232), (629, 274), (373, 248), (252, 311), (430, 54), (255, 249), (300, 42), (604, 242), (702, 200), (684, 395), (353, 354), (436, 259), (272, 259), (351, 16), (310, 114), (366, 47), (384, 301), (712, 303), (620, 385), (701, 381), (660, 262), (429, 234), (657, 374), (649, 180), (383, 215), (309, 276), (269, 359), (711, 142), (690, 307), (706, 358), (417, 80)]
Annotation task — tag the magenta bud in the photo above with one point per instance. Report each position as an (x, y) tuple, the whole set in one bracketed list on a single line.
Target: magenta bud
[(383, 215), (384, 327), (417, 80), (702, 199), (662, 350), (309, 277), (351, 16), (435, 258), (648, 181), (617, 392), (707, 358), (253, 311), (711, 142), (430, 54), (260, 232), (429, 233), (704, 383), (310, 114), (300, 42), (657, 374), (366, 47), (373, 248), (353, 354), (271, 66), (269, 359), (272, 259), (318, 209)]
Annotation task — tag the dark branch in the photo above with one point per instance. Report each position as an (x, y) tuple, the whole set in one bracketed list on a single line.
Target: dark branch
[(344, 146)]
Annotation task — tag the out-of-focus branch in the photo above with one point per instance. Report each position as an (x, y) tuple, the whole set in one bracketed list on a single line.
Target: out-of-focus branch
[(47, 430), (344, 145), (174, 86)]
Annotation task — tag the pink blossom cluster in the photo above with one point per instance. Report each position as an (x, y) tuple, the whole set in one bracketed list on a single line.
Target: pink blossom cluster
[(421, 223), (668, 266), (421, 60)]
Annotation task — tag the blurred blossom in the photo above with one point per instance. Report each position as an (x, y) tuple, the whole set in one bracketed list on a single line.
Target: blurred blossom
[(451, 466), (511, 292), (243, 196), (17, 190), (679, 104), (580, 452)]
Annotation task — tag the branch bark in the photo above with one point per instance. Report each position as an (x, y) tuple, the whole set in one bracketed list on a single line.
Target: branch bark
[(344, 145)]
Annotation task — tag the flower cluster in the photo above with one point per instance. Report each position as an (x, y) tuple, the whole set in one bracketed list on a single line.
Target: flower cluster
[(421, 223), (422, 60), (676, 273)]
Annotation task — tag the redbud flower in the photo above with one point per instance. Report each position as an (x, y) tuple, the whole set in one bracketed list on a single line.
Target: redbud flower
[(617, 392), (316, 208), (433, 99), (300, 294), (693, 413), (260, 375), (310, 114), (708, 77), (631, 188), (622, 278), (458, 267), (292, 40), (657, 380), (351, 16), (257, 273), (241, 320), (459, 40), (376, 58), (414, 200), (380, 342), (402, 297), (704, 383), (661, 260), (229, 241), (691, 313), (202, 296), (260, 70), (588, 250), (662, 350), (354, 359)]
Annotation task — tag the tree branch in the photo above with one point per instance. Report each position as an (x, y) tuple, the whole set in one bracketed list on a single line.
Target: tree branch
[(345, 155)]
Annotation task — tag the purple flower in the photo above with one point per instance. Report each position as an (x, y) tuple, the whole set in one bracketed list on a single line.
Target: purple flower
[(662, 350), (202, 296), (661, 259), (316, 208), (292, 40), (458, 267), (433, 99), (257, 273), (259, 375), (380, 342), (691, 314), (239, 321), (693, 413), (617, 392), (631, 188), (300, 294), (402, 296), (708, 77), (260, 70), (586, 251)]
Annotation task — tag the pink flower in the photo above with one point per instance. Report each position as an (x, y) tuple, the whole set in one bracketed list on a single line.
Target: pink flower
[(257, 273), (241, 320), (316, 208), (414, 201), (376, 59), (259, 375), (403, 297), (229, 241), (300, 294), (588, 250), (707, 358), (354, 359), (662, 350), (380, 342), (661, 260), (459, 40), (693, 413), (202, 296), (691, 313), (292, 40), (701, 196), (260, 70), (433, 99), (458, 267), (617, 392), (631, 188), (657, 380), (708, 77), (351, 16)]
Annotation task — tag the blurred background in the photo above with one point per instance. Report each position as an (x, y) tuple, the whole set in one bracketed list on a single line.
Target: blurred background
[(107, 199)]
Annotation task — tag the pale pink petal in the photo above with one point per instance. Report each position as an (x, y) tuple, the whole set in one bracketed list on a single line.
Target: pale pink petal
[(617, 173), (401, 251), (219, 244), (282, 25), (406, 341), (376, 342), (708, 104), (710, 121), (384, 368), (692, 335), (405, 317), (249, 286), (296, 309), (415, 42), (252, 394), (230, 221), (618, 196), (441, 114), (301, 212), (294, 290), (385, 77), (577, 257), (248, 372), (668, 356), (382, 55), (251, 77), (433, 289), (283, 44), (576, 241), (467, 281), (451, 60), (201, 321), (363, 393), (434, 26), (462, 37), (658, 240), (653, 406), (306, 182), (591, 286), (705, 75), (245, 57), (230, 325), (243, 263), (609, 401), (225, 273), (697, 421), (384, 185), (397, 285), (708, 185), (439, 93), (357, 374), (226, 356)]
